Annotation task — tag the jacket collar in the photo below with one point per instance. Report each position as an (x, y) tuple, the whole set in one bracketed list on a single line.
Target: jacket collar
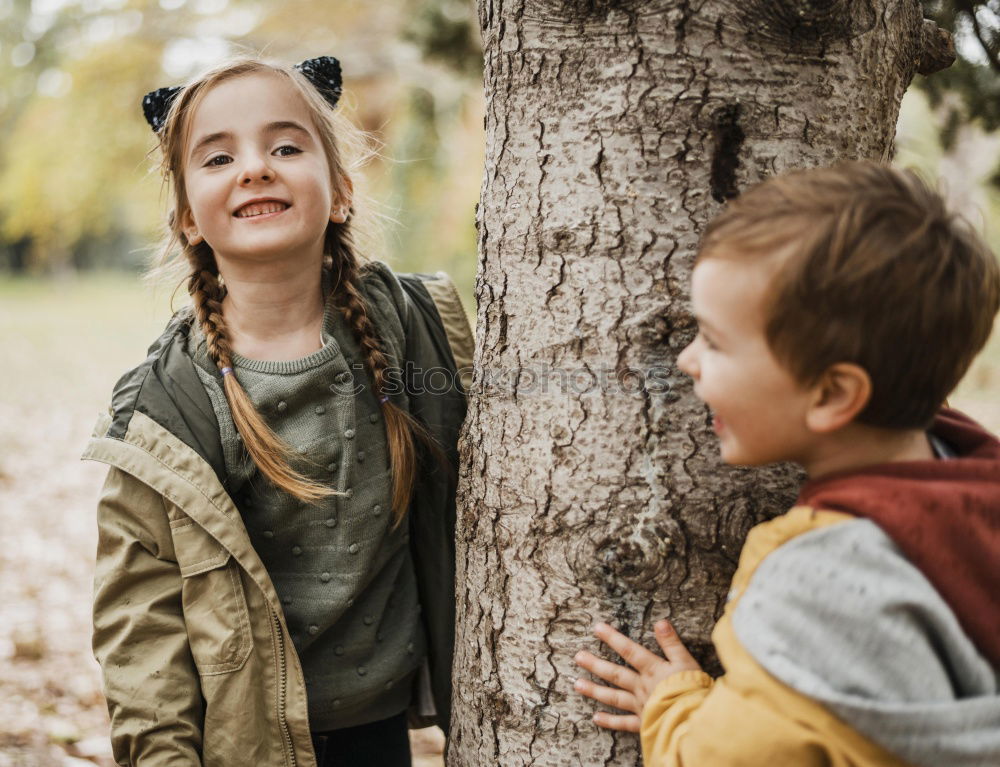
[(153, 455)]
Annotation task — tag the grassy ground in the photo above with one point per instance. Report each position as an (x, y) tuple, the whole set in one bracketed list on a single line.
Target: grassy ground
[(64, 344)]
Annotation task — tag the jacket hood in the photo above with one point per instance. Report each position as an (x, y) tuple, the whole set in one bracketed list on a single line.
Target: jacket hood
[(943, 514)]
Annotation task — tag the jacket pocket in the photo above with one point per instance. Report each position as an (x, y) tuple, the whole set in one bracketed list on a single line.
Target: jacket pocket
[(213, 600)]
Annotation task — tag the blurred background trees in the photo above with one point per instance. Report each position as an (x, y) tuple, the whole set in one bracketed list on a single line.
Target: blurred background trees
[(79, 187), (948, 127), (970, 90)]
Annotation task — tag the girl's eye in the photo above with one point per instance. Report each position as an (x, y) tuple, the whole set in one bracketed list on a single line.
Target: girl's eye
[(223, 157), (292, 150)]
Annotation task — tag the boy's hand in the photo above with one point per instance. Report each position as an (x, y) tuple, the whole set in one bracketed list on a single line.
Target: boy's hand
[(632, 688)]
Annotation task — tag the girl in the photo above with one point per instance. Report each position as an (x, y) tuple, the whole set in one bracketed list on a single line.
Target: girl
[(275, 560)]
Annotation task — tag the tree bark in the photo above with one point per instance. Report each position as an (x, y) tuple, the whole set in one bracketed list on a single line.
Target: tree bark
[(591, 485)]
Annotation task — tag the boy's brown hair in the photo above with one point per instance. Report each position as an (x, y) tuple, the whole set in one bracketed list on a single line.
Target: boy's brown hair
[(871, 268)]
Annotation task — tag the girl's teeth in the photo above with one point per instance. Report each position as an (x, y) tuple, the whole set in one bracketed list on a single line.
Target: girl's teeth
[(259, 209)]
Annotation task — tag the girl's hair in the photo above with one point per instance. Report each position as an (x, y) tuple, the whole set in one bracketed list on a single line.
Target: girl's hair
[(268, 451)]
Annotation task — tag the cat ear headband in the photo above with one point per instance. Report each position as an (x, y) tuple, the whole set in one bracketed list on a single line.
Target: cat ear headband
[(323, 72)]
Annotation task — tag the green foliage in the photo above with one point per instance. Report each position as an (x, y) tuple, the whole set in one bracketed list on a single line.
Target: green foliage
[(73, 168), (979, 20), (448, 31), (968, 91)]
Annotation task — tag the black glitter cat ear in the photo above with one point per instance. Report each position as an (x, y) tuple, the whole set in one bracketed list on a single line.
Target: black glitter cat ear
[(156, 104), (323, 72)]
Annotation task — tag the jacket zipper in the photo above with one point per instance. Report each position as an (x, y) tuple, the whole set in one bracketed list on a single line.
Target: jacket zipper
[(283, 689)]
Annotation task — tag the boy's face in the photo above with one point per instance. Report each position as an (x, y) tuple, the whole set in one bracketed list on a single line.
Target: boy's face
[(759, 408)]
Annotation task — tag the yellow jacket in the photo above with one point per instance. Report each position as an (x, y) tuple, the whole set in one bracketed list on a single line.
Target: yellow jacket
[(748, 716)]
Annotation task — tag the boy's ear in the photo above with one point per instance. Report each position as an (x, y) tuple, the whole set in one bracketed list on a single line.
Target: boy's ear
[(840, 394), (190, 228)]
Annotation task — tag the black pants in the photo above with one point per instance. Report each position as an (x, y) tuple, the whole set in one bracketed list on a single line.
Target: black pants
[(377, 744)]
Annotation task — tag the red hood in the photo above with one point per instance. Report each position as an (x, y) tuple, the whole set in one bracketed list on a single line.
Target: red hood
[(943, 514)]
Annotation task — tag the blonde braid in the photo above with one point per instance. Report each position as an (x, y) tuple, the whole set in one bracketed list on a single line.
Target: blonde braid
[(207, 293), (400, 426), (268, 451), (355, 313)]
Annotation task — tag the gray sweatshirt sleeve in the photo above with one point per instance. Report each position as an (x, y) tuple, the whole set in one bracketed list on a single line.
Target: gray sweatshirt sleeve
[(840, 615)]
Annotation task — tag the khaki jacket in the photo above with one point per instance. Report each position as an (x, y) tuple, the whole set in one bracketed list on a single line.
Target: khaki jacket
[(198, 664)]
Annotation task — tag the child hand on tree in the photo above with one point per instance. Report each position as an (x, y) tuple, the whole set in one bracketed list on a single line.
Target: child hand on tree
[(634, 684)]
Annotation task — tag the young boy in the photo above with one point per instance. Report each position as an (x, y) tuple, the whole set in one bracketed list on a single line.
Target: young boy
[(837, 308)]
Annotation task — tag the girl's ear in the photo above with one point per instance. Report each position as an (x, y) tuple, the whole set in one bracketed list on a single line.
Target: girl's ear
[(190, 228), (840, 394), (340, 210)]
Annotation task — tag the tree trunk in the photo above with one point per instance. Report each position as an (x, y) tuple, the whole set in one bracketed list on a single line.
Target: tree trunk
[(591, 485)]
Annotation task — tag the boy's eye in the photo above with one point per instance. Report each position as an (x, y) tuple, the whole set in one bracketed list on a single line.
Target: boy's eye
[(707, 340)]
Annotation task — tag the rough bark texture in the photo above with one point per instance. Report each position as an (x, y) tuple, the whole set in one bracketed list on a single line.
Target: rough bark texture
[(591, 486)]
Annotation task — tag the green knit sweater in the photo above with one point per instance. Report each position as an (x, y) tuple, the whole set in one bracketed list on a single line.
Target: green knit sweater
[(344, 575)]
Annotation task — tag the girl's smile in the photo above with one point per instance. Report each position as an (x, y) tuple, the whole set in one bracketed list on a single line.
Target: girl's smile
[(256, 210)]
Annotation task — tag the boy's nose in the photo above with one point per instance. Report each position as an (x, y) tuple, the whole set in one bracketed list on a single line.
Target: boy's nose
[(687, 360)]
